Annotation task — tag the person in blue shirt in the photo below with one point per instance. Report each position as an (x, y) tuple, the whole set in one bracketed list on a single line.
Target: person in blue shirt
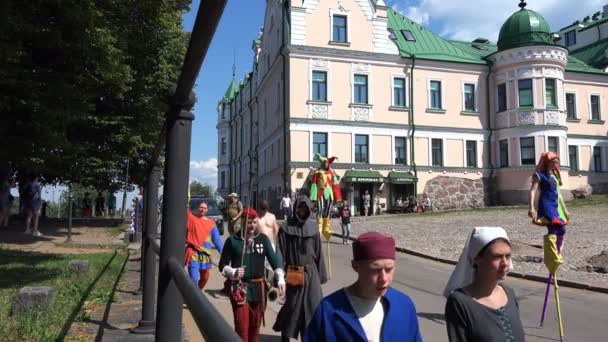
[(369, 309)]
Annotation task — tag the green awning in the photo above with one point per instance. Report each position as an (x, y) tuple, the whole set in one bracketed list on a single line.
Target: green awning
[(395, 177), (362, 176)]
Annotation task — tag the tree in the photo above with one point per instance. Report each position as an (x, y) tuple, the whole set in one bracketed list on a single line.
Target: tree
[(201, 189), (83, 86)]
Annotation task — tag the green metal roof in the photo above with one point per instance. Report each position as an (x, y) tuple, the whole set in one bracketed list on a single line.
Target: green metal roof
[(523, 28), (427, 45), (591, 24), (576, 65), (479, 50), (232, 90), (593, 54), (363, 176)]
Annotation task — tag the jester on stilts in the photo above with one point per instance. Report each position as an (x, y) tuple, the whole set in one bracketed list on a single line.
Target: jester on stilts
[(324, 191), (547, 208)]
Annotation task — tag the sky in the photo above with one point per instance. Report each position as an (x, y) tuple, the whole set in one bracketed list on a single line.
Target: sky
[(243, 19)]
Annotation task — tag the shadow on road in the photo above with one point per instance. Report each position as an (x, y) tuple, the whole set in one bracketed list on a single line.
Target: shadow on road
[(432, 316)]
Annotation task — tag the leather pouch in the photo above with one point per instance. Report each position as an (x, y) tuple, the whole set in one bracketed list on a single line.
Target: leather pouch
[(295, 275)]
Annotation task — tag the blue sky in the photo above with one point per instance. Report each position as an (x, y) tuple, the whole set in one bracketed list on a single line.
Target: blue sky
[(242, 20)]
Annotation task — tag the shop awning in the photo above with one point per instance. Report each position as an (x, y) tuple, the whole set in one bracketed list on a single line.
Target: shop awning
[(363, 176), (395, 177)]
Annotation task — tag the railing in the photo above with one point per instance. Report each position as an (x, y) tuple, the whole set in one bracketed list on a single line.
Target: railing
[(174, 284)]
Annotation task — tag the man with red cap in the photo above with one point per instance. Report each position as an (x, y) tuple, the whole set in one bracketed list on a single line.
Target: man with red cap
[(243, 263), (369, 309)]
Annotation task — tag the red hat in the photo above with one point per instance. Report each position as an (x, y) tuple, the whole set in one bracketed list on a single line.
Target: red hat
[(250, 213), (372, 245), (543, 164)]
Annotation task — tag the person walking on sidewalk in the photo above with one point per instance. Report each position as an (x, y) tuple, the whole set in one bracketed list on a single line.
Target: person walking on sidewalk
[(345, 222), (267, 223), (369, 309), (202, 236), (479, 308), (242, 262), (300, 245), (286, 206), (366, 203)]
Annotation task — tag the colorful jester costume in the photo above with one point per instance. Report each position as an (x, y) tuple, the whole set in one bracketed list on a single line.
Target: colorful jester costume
[(324, 191), (546, 199)]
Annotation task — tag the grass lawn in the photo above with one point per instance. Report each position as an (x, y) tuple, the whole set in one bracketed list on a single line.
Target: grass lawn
[(19, 269)]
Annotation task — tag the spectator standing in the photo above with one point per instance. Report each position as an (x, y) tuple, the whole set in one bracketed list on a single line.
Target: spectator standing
[(87, 205), (286, 206), (5, 200), (479, 308), (100, 204), (112, 205), (369, 309), (366, 202), (235, 211), (32, 203), (345, 222)]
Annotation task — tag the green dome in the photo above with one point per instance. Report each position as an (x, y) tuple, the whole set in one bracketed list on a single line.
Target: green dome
[(523, 28)]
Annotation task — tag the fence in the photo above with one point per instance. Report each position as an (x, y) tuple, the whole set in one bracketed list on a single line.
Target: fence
[(174, 285)]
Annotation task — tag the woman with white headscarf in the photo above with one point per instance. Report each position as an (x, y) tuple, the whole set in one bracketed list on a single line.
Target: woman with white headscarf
[(479, 308)]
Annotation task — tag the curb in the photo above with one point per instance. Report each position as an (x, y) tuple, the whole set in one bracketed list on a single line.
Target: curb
[(531, 277)]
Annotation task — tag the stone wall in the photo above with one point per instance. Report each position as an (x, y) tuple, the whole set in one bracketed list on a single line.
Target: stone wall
[(458, 193)]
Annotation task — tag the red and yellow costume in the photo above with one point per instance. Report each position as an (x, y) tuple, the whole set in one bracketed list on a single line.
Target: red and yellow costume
[(324, 190)]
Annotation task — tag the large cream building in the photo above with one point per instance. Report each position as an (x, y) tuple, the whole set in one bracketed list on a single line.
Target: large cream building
[(406, 111)]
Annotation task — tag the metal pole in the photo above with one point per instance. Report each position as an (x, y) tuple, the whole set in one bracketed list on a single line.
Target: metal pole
[(173, 238), (124, 195), (69, 239), (148, 323)]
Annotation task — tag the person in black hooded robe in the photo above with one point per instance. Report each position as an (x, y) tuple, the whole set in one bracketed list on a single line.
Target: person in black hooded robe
[(299, 242)]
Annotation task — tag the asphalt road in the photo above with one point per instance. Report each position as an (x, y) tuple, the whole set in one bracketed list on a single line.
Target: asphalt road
[(585, 314)]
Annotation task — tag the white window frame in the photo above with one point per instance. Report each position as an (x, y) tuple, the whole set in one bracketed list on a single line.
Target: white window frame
[(558, 144), (443, 152), (406, 85), (369, 147), (442, 90), (578, 157), (577, 112), (312, 67), (533, 79), (556, 92), (509, 160), (506, 96), (393, 146), (519, 148), (343, 12), (464, 154), (311, 142), (475, 89), (601, 99)]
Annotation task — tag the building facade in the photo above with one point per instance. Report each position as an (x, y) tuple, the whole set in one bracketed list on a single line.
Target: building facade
[(408, 112)]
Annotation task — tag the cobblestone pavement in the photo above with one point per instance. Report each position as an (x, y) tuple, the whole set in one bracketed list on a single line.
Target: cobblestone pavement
[(443, 235)]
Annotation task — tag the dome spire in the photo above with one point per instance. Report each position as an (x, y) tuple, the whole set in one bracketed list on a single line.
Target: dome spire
[(522, 4)]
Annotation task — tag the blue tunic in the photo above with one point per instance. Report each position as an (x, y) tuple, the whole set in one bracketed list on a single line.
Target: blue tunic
[(549, 212), (336, 320)]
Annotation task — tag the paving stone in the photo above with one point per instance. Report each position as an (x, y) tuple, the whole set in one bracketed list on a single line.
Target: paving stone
[(33, 298)]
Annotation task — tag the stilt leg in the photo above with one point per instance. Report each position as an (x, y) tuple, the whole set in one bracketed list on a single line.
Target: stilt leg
[(559, 311)]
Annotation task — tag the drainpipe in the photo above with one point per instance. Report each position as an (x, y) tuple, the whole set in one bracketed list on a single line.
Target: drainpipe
[(413, 124), (489, 122), (285, 29)]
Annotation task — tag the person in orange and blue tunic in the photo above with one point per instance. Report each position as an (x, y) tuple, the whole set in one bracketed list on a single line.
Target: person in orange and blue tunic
[(547, 208), (202, 236)]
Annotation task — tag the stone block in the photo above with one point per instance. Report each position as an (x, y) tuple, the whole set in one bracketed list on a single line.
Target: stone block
[(79, 266), (32, 298), (582, 192)]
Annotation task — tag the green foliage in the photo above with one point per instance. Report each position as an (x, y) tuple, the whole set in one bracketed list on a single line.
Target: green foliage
[(25, 269), (83, 86), (201, 189)]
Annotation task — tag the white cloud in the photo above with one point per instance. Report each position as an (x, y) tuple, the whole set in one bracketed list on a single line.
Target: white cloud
[(467, 20), (204, 171)]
